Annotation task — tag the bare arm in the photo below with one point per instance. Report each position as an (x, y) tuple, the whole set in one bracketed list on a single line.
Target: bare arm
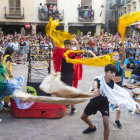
[(123, 58), (5, 76), (77, 45), (91, 53), (7, 67), (95, 88), (52, 41)]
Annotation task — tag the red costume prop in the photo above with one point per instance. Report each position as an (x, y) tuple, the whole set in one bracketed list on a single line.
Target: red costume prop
[(57, 61)]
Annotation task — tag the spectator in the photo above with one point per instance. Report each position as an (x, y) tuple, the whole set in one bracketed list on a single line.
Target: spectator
[(42, 12), (27, 42), (50, 10), (89, 12), (91, 44), (40, 7), (6, 44), (2, 48), (130, 56), (117, 36), (45, 11), (56, 14), (136, 60), (10, 43), (79, 11), (130, 65), (135, 75), (21, 46), (16, 45)]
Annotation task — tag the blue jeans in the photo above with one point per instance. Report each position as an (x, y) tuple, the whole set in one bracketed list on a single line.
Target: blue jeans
[(135, 77)]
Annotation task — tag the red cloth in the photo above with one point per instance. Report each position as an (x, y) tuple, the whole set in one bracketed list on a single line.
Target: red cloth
[(50, 10), (57, 61), (91, 44)]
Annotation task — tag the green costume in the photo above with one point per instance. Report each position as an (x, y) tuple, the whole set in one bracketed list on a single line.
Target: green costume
[(2, 79)]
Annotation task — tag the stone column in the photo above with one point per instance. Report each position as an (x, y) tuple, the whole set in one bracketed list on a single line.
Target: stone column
[(66, 28), (34, 28), (98, 30)]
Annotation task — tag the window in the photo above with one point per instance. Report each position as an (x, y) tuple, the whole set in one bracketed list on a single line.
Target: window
[(14, 3), (52, 1), (86, 2)]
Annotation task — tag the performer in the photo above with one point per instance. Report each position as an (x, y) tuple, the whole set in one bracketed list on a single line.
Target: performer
[(70, 74), (118, 78), (99, 102), (7, 63)]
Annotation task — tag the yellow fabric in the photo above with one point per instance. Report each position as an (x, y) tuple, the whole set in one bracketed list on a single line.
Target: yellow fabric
[(58, 36), (6, 99), (94, 61), (4, 64), (126, 20)]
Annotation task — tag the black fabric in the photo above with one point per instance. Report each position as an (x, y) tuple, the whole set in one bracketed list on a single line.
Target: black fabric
[(119, 73), (22, 44), (9, 59), (130, 67), (67, 78), (66, 67), (136, 70), (99, 103), (119, 83), (110, 84)]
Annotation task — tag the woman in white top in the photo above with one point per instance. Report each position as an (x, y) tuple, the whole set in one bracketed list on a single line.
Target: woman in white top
[(15, 45)]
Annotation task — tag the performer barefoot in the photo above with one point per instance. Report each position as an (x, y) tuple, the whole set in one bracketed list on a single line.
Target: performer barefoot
[(118, 79), (67, 69), (99, 102)]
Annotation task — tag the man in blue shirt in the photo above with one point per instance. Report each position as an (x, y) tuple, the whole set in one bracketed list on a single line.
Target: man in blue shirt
[(137, 60)]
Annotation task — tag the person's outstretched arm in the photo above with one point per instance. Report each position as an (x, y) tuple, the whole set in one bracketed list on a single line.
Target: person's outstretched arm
[(52, 41), (123, 58), (77, 45)]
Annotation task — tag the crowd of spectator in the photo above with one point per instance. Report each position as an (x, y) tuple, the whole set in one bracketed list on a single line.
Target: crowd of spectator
[(45, 12), (85, 13), (100, 45)]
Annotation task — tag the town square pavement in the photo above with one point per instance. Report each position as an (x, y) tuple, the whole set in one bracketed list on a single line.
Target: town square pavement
[(68, 127)]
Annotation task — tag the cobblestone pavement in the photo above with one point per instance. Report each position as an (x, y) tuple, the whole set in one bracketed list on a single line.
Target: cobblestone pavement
[(68, 127)]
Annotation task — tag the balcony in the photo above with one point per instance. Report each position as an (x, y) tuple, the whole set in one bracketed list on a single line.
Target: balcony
[(14, 12), (44, 16), (128, 1), (114, 9), (112, 24), (86, 15), (120, 3)]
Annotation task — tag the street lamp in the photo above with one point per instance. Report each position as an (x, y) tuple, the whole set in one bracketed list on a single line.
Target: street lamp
[(102, 8)]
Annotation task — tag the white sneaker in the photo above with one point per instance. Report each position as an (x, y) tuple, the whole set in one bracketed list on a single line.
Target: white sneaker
[(14, 64), (129, 80), (0, 120), (132, 81)]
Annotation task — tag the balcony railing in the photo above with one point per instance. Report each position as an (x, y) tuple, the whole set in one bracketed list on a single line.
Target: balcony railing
[(44, 15), (128, 1), (86, 15), (112, 24), (120, 2), (14, 12)]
